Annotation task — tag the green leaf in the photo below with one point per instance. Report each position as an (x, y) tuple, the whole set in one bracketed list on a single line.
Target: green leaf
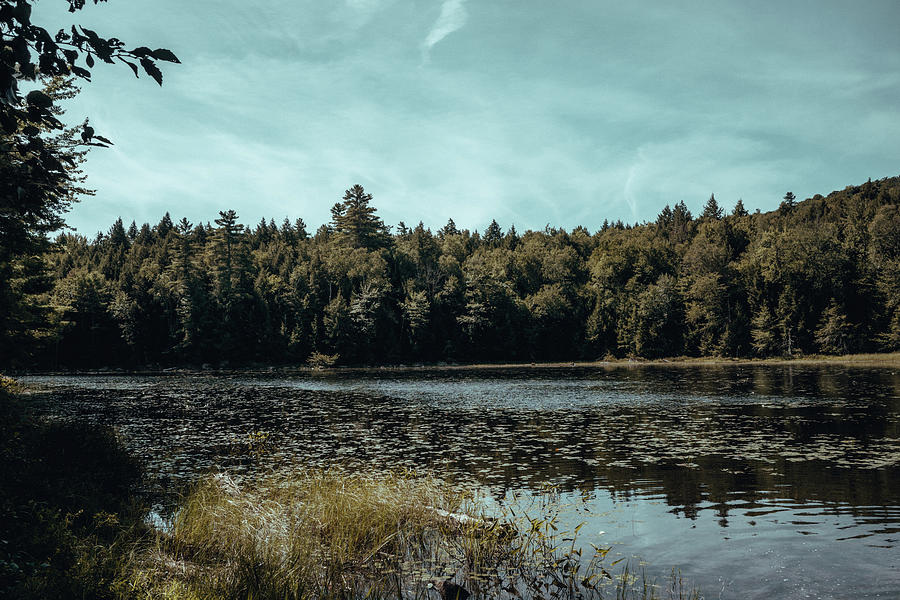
[(166, 55), (39, 99), (152, 70), (22, 12), (92, 35), (89, 59)]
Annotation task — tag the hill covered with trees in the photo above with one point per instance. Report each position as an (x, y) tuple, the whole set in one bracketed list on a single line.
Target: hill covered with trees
[(817, 276)]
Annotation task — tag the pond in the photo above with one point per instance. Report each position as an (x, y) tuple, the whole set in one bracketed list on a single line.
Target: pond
[(755, 481)]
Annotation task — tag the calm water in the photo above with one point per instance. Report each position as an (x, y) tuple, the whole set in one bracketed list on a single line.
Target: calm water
[(757, 482)]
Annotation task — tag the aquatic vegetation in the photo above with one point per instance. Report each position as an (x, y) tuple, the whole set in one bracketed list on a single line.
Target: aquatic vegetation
[(687, 466), (340, 534)]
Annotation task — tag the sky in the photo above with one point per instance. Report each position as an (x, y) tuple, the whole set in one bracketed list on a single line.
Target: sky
[(527, 112)]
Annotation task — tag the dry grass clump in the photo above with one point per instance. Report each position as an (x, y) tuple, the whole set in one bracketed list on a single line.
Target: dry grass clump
[(317, 534), (334, 534)]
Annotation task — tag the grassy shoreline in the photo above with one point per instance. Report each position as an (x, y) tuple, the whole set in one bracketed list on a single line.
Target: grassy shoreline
[(862, 360), (891, 359)]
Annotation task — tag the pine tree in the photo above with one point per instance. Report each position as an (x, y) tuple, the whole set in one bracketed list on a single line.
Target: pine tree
[(300, 229), (663, 219), (164, 226), (788, 205), (711, 210), (448, 229), (835, 332), (355, 221), (229, 230), (493, 235), (682, 220)]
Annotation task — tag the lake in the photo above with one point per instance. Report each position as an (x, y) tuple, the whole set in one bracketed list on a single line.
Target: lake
[(755, 481)]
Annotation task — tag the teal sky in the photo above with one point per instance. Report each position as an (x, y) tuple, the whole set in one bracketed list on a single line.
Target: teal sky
[(524, 111)]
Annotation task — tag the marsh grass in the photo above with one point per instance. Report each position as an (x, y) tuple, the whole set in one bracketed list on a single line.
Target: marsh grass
[(336, 534)]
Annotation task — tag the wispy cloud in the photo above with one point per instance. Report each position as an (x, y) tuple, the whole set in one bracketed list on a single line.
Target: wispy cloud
[(280, 106), (453, 17)]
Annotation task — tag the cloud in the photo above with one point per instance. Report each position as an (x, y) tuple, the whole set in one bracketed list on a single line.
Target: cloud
[(453, 17), (578, 116)]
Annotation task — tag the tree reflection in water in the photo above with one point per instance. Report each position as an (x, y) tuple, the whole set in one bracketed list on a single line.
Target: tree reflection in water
[(799, 450)]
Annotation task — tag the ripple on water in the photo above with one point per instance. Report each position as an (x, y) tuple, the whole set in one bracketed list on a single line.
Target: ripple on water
[(771, 470)]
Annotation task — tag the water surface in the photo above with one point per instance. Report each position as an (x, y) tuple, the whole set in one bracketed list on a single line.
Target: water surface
[(757, 481)]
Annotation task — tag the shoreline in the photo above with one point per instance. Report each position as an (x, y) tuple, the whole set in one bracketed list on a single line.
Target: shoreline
[(891, 359)]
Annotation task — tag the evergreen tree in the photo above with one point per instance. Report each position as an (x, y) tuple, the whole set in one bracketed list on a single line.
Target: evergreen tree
[(448, 229), (164, 226), (511, 239), (788, 205), (711, 210), (227, 238), (834, 334), (116, 246), (681, 227), (300, 229), (234, 287), (663, 219), (356, 223), (824, 280), (493, 235), (40, 179)]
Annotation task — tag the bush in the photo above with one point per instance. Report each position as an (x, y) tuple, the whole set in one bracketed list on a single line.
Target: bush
[(69, 520), (319, 360)]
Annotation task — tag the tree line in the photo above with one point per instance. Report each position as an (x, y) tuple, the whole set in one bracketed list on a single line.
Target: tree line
[(814, 276), (818, 276)]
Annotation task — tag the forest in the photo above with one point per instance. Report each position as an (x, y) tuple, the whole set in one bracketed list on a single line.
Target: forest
[(814, 276)]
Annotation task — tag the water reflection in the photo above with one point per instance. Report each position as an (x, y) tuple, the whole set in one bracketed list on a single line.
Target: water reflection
[(803, 462)]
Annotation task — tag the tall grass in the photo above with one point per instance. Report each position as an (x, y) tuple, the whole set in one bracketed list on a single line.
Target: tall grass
[(334, 534)]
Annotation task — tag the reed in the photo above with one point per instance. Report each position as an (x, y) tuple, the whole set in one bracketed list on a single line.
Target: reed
[(336, 534)]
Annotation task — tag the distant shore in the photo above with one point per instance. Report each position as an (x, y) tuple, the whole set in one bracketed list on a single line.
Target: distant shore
[(856, 360), (891, 359)]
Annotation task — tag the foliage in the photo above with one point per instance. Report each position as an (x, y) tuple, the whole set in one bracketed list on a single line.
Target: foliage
[(820, 277), (355, 221), (834, 335), (39, 156), (68, 520), (317, 360), (29, 52), (38, 167), (27, 214)]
